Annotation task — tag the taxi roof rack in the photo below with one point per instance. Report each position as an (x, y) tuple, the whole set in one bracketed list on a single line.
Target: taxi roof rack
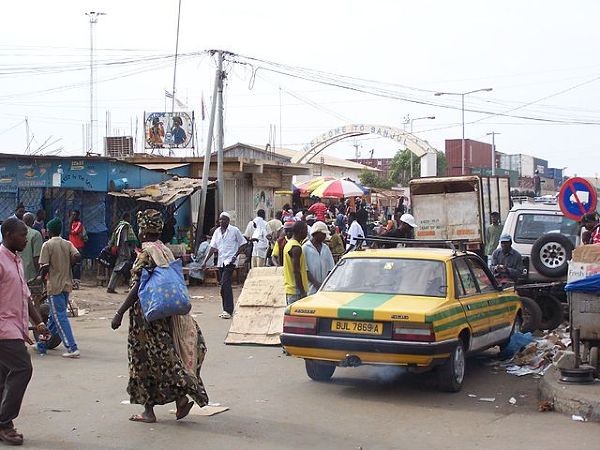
[(456, 245)]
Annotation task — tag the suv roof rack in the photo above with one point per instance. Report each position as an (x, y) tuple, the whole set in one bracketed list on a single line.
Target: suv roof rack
[(456, 245)]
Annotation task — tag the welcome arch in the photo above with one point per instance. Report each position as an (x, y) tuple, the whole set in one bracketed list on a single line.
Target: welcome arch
[(420, 147)]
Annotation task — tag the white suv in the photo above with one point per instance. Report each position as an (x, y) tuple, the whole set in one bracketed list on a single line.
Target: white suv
[(544, 237)]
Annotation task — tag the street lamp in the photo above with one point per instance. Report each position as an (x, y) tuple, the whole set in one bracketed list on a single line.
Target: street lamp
[(493, 134), (462, 96), (411, 130)]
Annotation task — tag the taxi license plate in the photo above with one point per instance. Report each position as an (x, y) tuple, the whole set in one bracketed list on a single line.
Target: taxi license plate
[(350, 326)]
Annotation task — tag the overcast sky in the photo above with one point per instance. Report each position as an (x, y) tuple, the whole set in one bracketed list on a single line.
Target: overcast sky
[(540, 58)]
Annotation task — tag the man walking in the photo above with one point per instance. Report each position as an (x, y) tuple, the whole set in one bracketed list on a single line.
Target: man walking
[(17, 308), (229, 243), (57, 257), (295, 276), (31, 253), (277, 254), (124, 239), (256, 232), (319, 260), (492, 234)]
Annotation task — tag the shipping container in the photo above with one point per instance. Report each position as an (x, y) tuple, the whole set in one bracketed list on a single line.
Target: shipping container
[(477, 155), (541, 165)]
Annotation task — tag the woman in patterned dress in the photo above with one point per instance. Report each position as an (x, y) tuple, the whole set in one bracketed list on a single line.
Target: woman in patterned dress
[(165, 355)]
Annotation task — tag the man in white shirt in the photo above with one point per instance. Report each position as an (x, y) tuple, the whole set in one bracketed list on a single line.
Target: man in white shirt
[(256, 231), (228, 242), (354, 231)]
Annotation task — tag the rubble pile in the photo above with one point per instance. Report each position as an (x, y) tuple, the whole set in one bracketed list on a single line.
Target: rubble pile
[(537, 356)]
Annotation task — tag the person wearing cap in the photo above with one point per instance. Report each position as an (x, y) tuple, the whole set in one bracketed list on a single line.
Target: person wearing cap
[(228, 242), (591, 235), (506, 261), (57, 257), (492, 234), (310, 220), (319, 260), (406, 228), (281, 241)]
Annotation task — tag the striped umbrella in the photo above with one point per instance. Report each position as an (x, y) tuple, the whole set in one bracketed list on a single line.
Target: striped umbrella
[(338, 189), (306, 187)]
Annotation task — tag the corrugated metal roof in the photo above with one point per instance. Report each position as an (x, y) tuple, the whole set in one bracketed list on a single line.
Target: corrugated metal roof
[(165, 193)]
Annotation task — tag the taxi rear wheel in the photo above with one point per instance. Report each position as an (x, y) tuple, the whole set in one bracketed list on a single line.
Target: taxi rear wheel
[(451, 374), (319, 371)]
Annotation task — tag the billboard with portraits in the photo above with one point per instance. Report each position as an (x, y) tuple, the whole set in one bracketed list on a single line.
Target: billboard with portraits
[(169, 129)]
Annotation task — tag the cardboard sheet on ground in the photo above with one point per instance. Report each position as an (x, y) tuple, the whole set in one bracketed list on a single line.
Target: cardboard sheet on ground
[(258, 317)]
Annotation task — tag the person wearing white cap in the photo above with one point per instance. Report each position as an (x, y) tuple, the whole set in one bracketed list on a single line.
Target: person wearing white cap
[(506, 261), (319, 260), (229, 243), (406, 228)]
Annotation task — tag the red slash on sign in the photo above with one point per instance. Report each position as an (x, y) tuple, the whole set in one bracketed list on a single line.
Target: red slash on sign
[(570, 197), (571, 187)]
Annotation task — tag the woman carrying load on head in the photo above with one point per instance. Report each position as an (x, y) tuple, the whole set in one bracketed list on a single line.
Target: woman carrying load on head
[(165, 355)]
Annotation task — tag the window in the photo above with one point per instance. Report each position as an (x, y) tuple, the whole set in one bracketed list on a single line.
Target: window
[(465, 281), (481, 276), (532, 226), (398, 276)]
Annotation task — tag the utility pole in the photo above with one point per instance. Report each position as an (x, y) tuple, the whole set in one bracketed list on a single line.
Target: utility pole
[(220, 132), (207, 154), (493, 134), (26, 135), (93, 16)]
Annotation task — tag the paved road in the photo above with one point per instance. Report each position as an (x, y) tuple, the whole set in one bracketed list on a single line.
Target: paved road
[(76, 404)]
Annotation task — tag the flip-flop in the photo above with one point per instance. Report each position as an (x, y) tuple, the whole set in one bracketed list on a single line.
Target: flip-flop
[(11, 437), (142, 418), (184, 411)]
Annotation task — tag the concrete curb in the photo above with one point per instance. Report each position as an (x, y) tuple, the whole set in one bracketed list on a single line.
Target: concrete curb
[(579, 399)]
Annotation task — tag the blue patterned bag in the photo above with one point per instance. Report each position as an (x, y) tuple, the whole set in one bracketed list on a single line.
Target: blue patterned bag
[(163, 292)]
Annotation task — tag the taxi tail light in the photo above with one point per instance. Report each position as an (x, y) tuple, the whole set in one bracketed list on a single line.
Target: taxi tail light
[(299, 325), (404, 331)]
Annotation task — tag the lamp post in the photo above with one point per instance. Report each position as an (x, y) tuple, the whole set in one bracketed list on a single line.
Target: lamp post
[(493, 134), (462, 97), (411, 130)]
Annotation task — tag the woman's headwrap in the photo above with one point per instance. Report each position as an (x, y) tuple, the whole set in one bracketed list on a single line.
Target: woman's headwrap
[(150, 221)]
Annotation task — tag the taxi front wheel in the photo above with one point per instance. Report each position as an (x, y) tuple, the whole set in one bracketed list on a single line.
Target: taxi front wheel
[(451, 374), (319, 371)]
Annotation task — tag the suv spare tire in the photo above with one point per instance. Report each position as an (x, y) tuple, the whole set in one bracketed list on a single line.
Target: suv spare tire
[(550, 254)]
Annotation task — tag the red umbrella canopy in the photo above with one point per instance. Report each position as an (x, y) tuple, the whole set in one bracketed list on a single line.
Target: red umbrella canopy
[(338, 189)]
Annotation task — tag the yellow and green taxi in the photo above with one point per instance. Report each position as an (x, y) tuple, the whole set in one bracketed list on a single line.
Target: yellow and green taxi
[(414, 307)]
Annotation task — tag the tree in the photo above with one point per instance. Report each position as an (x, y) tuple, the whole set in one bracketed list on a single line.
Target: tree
[(371, 179), (400, 167)]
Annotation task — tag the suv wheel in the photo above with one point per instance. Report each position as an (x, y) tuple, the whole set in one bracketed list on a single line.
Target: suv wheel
[(550, 254)]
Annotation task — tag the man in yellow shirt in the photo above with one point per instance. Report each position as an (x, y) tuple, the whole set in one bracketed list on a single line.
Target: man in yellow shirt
[(295, 274)]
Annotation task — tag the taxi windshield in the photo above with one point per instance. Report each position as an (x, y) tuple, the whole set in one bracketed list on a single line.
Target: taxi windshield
[(398, 276)]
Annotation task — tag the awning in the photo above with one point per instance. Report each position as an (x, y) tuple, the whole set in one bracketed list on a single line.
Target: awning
[(164, 193)]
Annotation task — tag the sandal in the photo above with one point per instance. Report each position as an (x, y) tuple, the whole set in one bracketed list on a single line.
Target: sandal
[(142, 418), (184, 410), (11, 437)]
